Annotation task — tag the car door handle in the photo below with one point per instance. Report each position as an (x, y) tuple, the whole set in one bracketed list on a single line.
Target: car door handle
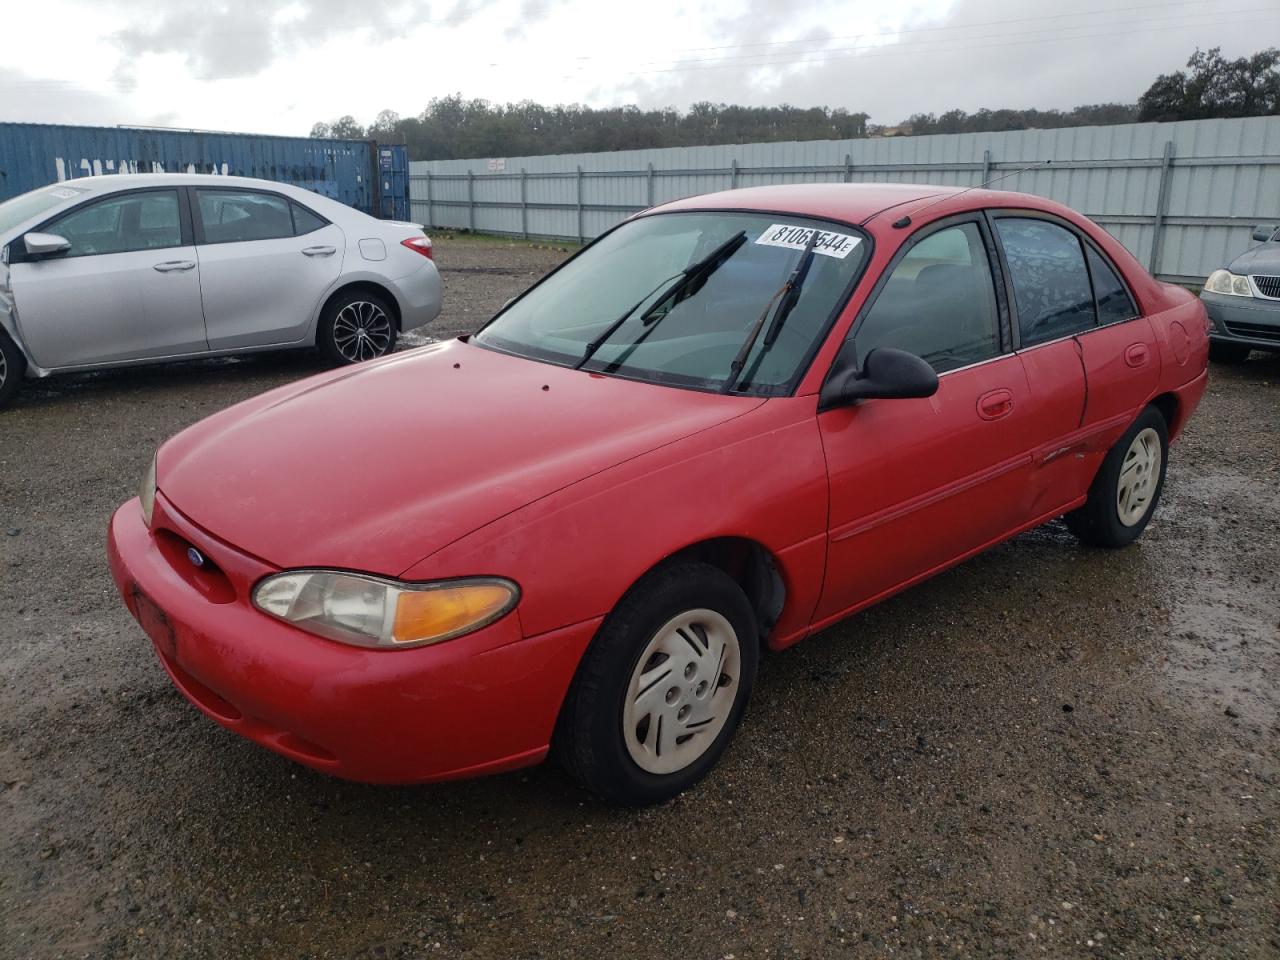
[(175, 266), (1137, 354), (321, 251), (995, 404)]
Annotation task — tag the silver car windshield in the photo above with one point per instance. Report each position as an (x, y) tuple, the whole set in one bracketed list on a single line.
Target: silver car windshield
[(622, 305), (24, 207)]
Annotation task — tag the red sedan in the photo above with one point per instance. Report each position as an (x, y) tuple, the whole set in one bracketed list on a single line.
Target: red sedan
[(724, 425)]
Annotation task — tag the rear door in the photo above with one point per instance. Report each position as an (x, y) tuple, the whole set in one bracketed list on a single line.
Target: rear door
[(1088, 355), (265, 263), (127, 289), (919, 483)]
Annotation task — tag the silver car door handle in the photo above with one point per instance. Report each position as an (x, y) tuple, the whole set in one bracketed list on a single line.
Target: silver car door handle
[(173, 266), (319, 251)]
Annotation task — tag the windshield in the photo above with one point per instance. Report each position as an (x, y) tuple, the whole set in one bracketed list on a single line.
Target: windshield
[(23, 208), (632, 305)]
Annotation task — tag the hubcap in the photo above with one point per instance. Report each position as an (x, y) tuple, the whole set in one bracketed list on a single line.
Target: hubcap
[(1139, 475), (682, 691), (361, 331)]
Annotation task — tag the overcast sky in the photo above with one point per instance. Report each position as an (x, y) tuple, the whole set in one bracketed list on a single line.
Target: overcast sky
[(277, 66)]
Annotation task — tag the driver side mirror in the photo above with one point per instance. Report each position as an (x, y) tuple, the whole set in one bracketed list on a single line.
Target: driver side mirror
[(45, 244), (1264, 233), (886, 374)]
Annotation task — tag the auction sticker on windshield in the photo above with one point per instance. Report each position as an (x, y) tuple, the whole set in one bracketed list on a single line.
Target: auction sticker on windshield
[(838, 245)]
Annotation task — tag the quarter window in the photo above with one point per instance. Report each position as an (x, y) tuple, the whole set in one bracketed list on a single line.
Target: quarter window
[(939, 303), (304, 221), (1050, 282), (122, 224), (236, 216), (1114, 303)]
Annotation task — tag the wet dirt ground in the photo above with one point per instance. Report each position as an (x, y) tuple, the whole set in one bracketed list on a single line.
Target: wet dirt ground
[(1048, 751)]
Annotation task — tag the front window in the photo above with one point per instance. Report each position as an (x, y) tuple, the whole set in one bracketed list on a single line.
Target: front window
[(621, 306), (122, 224), (28, 206)]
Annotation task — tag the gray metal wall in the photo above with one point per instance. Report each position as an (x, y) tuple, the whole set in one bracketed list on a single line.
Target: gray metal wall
[(1183, 197)]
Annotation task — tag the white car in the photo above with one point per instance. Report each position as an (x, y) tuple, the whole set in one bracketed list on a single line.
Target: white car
[(118, 270)]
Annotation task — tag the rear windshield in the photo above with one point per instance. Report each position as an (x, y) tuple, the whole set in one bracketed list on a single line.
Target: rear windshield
[(29, 205), (689, 337)]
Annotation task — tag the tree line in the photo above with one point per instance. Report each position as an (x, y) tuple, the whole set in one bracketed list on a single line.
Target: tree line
[(454, 127)]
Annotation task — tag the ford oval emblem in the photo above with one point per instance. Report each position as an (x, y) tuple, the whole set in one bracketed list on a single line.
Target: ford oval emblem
[(195, 556)]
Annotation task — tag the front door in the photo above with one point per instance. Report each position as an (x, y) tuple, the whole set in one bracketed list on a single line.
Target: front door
[(128, 288), (917, 484), (265, 263)]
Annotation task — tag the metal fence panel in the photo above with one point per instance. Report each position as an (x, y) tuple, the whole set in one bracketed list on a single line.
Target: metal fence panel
[(1183, 197)]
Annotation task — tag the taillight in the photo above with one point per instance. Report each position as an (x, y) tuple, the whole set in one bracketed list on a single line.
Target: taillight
[(420, 245)]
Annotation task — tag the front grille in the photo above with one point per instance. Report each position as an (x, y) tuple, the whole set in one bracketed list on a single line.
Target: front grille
[(1268, 286), (1256, 331)]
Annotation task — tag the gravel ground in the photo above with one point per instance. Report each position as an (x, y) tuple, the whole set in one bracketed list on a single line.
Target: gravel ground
[(1048, 751)]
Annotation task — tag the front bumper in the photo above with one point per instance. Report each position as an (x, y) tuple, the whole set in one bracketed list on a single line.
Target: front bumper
[(1243, 320), (482, 703)]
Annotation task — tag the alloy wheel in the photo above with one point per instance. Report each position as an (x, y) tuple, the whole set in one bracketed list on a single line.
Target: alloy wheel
[(1139, 477), (682, 691), (361, 331)]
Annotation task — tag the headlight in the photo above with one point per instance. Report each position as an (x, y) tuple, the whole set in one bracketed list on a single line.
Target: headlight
[(147, 492), (368, 611), (1226, 282)]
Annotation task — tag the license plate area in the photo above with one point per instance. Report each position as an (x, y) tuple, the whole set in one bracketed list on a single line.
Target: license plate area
[(154, 622)]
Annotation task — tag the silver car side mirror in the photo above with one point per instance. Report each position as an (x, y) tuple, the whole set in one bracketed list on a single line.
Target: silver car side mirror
[(44, 244)]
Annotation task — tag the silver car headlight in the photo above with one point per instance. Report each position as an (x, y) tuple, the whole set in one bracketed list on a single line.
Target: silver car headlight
[(147, 492), (1226, 282), (368, 611)]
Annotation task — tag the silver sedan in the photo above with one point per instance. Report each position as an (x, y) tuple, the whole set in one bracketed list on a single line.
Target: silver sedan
[(118, 270)]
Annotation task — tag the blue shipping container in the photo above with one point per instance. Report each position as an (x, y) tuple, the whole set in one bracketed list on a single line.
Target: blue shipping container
[(356, 172)]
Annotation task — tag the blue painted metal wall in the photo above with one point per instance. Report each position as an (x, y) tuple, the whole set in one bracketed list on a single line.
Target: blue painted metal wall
[(350, 171)]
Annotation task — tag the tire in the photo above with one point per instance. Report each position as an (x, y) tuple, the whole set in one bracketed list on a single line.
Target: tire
[(611, 737), (356, 325), (12, 367), (1228, 353), (1112, 517)]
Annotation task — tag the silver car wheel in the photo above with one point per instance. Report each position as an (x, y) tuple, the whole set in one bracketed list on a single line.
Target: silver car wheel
[(361, 331), (4, 369), (682, 691), (1139, 476)]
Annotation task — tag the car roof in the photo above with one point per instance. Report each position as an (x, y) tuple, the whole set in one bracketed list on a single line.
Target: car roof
[(104, 183), (858, 202)]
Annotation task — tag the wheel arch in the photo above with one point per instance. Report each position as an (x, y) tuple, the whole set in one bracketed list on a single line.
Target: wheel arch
[(368, 286), (1170, 408), (749, 563)]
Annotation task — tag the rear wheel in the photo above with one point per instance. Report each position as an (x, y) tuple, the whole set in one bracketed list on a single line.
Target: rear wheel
[(12, 367), (1125, 492), (356, 326), (1229, 353), (661, 689)]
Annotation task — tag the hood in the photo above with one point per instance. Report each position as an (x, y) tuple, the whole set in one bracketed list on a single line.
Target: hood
[(1263, 259), (377, 467)]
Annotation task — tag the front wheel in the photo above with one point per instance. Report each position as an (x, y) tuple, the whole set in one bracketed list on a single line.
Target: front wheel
[(12, 367), (356, 326), (1125, 492), (661, 689)]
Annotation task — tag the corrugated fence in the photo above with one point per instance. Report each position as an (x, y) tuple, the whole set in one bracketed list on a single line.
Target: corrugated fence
[(1183, 197)]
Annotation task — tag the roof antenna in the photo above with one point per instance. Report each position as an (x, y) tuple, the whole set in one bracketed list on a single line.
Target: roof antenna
[(905, 219)]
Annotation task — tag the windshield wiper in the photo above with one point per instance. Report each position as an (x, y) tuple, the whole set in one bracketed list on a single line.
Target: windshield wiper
[(789, 293), (684, 280)]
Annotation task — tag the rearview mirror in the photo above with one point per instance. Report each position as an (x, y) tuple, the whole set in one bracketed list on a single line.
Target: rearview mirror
[(45, 244), (1264, 233), (886, 374)]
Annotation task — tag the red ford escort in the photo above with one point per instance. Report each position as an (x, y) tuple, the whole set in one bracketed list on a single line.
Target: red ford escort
[(724, 425)]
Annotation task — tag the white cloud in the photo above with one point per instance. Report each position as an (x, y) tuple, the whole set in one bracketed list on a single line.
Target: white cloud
[(280, 65)]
